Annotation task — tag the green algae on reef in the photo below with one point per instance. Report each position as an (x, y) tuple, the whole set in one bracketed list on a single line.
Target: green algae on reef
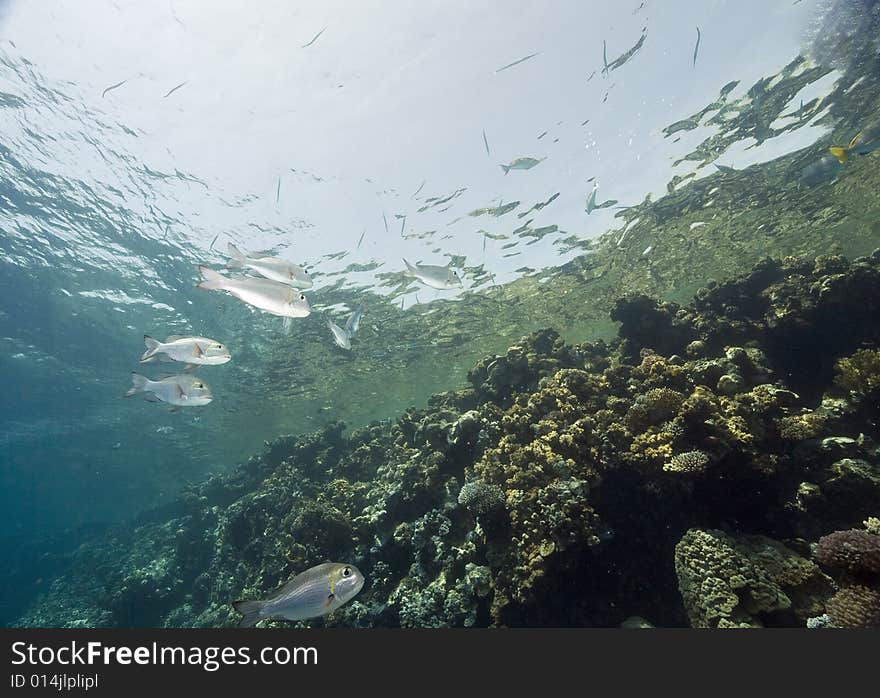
[(679, 473)]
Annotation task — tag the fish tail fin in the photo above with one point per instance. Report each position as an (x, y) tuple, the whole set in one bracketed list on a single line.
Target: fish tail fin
[(236, 257), (212, 279), (138, 384), (410, 269), (250, 612), (152, 348), (506, 168), (840, 153)]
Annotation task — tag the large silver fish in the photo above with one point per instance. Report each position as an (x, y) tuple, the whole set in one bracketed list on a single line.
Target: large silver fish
[(184, 390), (270, 267), (191, 350), (441, 278), (315, 592), (521, 164), (272, 296)]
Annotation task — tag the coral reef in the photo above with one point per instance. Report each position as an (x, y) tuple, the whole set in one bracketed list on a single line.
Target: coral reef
[(745, 582), (678, 474)]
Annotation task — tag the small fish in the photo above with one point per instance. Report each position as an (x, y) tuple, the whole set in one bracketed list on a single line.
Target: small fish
[(825, 170), (441, 278), (191, 350), (340, 336), (213, 241), (314, 39), (421, 186), (591, 201), (271, 296), (278, 191), (361, 239), (604, 58), (354, 321), (385, 220), (184, 390), (697, 47), (174, 89), (521, 60), (270, 267), (310, 594), (864, 142), (486, 143), (113, 87), (522, 164)]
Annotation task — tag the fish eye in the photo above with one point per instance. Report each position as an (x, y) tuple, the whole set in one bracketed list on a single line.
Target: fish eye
[(346, 571), (302, 297)]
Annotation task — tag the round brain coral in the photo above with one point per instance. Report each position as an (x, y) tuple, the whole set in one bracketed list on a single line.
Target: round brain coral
[(480, 497), (687, 462), (855, 607), (854, 551)]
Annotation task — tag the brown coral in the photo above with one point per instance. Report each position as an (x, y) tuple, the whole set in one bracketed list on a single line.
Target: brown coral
[(854, 551), (855, 607)]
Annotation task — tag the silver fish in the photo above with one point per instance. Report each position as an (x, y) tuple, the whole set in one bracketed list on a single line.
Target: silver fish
[(270, 267), (441, 278), (191, 350), (310, 594), (272, 296), (521, 164), (354, 321), (340, 336), (591, 201), (184, 390)]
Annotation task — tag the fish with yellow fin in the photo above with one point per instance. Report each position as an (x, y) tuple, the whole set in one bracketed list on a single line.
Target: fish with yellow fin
[(865, 141)]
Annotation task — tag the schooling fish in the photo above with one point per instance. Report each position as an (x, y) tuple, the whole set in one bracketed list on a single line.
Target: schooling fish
[(441, 278), (310, 594), (270, 267), (272, 296), (354, 321), (340, 336), (521, 164), (864, 142), (591, 201), (184, 390), (191, 350)]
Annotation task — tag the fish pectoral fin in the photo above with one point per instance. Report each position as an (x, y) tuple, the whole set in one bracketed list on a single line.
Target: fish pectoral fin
[(329, 600), (180, 392), (197, 351), (149, 397)]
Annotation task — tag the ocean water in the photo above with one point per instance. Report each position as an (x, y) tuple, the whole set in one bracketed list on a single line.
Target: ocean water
[(674, 145)]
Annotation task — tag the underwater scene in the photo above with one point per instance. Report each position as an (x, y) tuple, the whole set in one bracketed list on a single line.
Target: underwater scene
[(440, 314)]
